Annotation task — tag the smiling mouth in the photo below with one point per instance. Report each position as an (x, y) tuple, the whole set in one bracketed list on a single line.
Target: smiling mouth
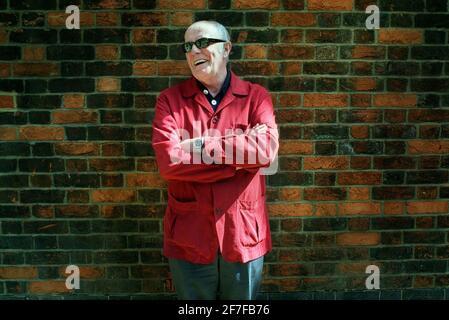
[(199, 62)]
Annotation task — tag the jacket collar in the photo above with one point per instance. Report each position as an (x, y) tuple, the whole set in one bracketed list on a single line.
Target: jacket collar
[(237, 86)]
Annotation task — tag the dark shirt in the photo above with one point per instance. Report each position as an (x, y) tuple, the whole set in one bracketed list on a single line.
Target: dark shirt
[(215, 101)]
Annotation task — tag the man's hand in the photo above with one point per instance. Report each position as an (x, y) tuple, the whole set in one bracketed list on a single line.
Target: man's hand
[(257, 129), (187, 145)]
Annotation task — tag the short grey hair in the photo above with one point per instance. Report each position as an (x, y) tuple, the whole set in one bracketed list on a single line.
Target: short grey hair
[(223, 31), (218, 26)]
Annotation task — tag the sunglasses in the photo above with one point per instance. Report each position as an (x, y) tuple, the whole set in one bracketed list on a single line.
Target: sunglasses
[(200, 44)]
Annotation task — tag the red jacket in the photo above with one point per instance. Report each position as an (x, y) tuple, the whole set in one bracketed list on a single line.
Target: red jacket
[(214, 206)]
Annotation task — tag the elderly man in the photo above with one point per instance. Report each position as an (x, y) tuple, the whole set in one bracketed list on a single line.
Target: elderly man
[(213, 134)]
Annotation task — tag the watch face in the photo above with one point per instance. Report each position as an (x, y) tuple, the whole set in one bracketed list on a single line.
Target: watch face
[(198, 143)]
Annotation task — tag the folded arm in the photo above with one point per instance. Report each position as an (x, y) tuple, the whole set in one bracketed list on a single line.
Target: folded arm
[(173, 161)]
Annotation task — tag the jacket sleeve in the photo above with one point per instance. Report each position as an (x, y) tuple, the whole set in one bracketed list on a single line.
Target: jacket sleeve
[(245, 149), (173, 162)]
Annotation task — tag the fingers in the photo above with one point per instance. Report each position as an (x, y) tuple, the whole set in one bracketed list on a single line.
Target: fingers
[(260, 128)]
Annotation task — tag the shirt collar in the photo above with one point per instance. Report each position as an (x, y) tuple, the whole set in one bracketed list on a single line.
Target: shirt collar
[(224, 87), (236, 85)]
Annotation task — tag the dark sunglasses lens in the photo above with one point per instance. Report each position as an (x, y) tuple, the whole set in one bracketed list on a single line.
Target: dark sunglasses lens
[(187, 47), (202, 43)]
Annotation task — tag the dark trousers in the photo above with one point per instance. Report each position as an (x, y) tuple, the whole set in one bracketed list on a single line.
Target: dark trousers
[(218, 280)]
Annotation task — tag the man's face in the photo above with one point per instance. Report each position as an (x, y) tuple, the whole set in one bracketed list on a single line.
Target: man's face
[(206, 63)]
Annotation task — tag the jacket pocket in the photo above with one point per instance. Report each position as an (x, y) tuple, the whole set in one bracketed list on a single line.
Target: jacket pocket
[(252, 226), (186, 225)]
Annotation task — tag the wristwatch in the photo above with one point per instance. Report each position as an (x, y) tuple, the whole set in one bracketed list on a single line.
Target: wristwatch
[(198, 144)]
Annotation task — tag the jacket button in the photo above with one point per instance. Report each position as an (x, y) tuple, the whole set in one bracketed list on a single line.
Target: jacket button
[(218, 210), (215, 119)]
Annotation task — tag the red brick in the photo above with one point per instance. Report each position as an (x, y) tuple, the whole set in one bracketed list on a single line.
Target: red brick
[(255, 51), (150, 19), (112, 149), (292, 36), (360, 132), (256, 67), (75, 211), (101, 164), (67, 148), (325, 210), (112, 4), (148, 165), (325, 100), (145, 68), (144, 35), (107, 52), (181, 18), (36, 69), (44, 212), (3, 36), (150, 180), (295, 147), (280, 52), (340, 5), (395, 100), (7, 102), (361, 100), (75, 116), (400, 36), (255, 4), (111, 211), (8, 134), (352, 267), (290, 68), (326, 163), (5, 70), (182, 4), (289, 194), (113, 195), (41, 133), (289, 100), (33, 53), (358, 239), (57, 19), (351, 178), (427, 207), (47, 287), (324, 194), (359, 208), (173, 68), (18, 273), (423, 282), (73, 101), (107, 19), (362, 84), (360, 193), (394, 208), (290, 209), (360, 162), (108, 85), (422, 147), (86, 272), (293, 19), (368, 52)]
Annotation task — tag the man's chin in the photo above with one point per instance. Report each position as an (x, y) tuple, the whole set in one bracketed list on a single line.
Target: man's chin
[(202, 73)]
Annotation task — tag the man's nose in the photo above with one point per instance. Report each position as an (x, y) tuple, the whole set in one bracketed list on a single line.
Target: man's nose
[(195, 49)]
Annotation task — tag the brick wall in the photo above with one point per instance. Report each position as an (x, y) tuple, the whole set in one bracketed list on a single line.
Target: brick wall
[(364, 156)]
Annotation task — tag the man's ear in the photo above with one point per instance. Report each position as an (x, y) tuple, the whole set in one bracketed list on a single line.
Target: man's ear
[(227, 49)]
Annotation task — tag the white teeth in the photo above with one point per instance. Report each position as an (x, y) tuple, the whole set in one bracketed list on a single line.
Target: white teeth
[(197, 62)]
